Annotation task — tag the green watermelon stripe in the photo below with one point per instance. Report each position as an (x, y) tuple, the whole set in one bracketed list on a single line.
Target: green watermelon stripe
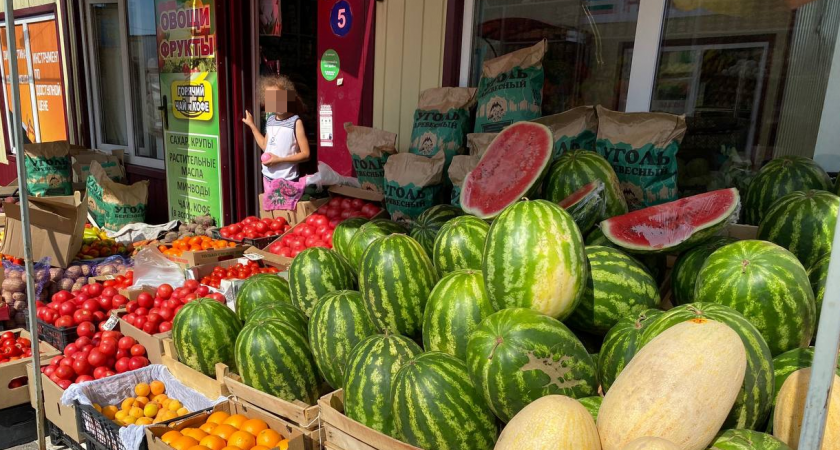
[(262, 289), (802, 222), (456, 307), (780, 177), (428, 224), (317, 271), (621, 344), (577, 168), (687, 266), (343, 234), (203, 332), (746, 440), (460, 244)]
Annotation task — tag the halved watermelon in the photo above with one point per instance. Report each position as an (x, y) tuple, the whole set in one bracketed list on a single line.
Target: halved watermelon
[(674, 226), (512, 167), (586, 205)]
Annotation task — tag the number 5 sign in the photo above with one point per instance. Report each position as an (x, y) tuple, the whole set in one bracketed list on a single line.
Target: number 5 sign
[(341, 18)]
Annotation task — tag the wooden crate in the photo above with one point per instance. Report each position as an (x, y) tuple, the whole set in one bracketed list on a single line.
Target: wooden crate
[(17, 369), (211, 387), (344, 433)]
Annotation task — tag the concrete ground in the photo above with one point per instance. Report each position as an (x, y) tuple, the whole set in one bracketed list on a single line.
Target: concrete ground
[(34, 446)]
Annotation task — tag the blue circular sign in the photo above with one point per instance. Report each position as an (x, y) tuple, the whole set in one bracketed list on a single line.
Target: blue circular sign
[(341, 18)]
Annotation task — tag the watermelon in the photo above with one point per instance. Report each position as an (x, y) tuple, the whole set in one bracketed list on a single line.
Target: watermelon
[(754, 401), (370, 371), (339, 322), (456, 306), (657, 265), (459, 244), (258, 290), (343, 234), (789, 362), (592, 404), (618, 286), (283, 311), (586, 205), (315, 272), (802, 222), (534, 258), (273, 356), (778, 178), (436, 406), (765, 283), (396, 278), (428, 224), (368, 233), (621, 344), (746, 440), (818, 275), (203, 332), (512, 167), (577, 168), (518, 355), (688, 264), (674, 226)]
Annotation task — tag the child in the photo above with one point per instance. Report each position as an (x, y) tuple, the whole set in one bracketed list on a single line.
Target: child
[(284, 145)]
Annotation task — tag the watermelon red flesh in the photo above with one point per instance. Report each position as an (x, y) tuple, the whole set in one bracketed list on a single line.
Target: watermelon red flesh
[(513, 164), (580, 194), (673, 226)]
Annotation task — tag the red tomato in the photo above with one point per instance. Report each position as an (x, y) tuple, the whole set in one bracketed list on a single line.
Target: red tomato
[(327, 236), (137, 362), (132, 306), (122, 364), (100, 372), (346, 204), (335, 201), (285, 251), (251, 219), (82, 315), (118, 301), (67, 308), (61, 296), (126, 342), (164, 291), (357, 203), (145, 299), (260, 227), (83, 341), (82, 379), (70, 349), (86, 329), (150, 327), (239, 236), (218, 297), (96, 358), (81, 367), (64, 384), (275, 226), (64, 322), (311, 240), (64, 372), (370, 210), (138, 350), (108, 346), (91, 305), (139, 321), (225, 233), (191, 285), (104, 303), (109, 292), (94, 290), (164, 327)]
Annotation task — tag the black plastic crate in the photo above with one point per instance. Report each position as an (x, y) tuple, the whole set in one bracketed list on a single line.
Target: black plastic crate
[(97, 431), (59, 439), (17, 426), (57, 337), (259, 243)]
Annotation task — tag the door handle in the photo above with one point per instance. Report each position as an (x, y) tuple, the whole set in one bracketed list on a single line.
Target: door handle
[(162, 110)]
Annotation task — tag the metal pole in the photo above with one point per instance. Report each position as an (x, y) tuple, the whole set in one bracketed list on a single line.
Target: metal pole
[(17, 139), (825, 356)]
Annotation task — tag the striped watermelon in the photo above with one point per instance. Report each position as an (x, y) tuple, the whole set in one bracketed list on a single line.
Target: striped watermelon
[(203, 332), (534, 258), (576, 168), (785, 365), (317, 271), (592, 404), (756, 396), (617, 287), (674, 226), (518, 355), (746, 440), (436, 406), (621, 344), (368, 233), (586, 205), (459, 244), (283, 311), (371, 368), (802, 222), (778, 178), (429, 222), (765, 283), (657, 265), (396, 278), (274, 357), (688, 264), (343, 234), (262, 289), (818, 274), (456, 306), (339, 322)]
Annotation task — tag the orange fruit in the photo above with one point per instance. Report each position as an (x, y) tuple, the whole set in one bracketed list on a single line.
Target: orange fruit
[(208, 427), (194, 433), (213, 442), (183, 443), (157, 387), (230, 447), (260, 447), (283, 445), (224, 431), (127, 404), (198, 447), (253, 426), (243, 440), (236, 421), (268, 438), (218, 417), (142, 390), (170, 436)]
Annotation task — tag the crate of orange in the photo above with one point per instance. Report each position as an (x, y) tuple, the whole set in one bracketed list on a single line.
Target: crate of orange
[(197, 250), (232, 425)]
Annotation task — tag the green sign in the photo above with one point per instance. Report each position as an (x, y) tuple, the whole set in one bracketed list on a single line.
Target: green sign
[(330, 65), (186, 31)]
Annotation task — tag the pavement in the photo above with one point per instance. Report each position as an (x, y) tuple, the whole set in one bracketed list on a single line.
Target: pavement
[(34, 446)]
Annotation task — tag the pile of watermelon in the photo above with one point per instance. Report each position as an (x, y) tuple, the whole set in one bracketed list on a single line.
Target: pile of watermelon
[(501, 313)]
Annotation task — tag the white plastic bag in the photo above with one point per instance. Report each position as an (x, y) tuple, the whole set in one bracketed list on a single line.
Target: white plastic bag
[(152, 268), (326, 176)]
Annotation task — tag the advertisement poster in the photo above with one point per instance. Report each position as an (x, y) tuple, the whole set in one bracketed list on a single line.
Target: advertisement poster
[(26, 111), (186, 31)]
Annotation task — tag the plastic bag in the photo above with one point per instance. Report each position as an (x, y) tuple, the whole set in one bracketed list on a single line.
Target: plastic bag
[(152, 269), (134, 232), (115, 389), (112, 265), (326, 176), (14, 287)]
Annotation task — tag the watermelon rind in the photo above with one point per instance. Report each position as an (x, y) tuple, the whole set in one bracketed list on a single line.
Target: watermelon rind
[(526, 164), (586, 205), (767, 285), (621, 344), (371, 368), (667, 228), (618, 286), (577, 168), (534, 258), (785, 365), (592, 404), (428, 224), (818, 275), (339, 322), (802, 222), (368, 233), (740, 439), (460, 244), (262, 289), (436, 405), (203, 333), (395, 279), (518, 355), (315, 272), (688, 264), (343, 234), (755, 399), (780, 177), (282, 311), (656, 264)]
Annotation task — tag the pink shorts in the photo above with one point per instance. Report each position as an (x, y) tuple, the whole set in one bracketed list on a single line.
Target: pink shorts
[(281, 194)]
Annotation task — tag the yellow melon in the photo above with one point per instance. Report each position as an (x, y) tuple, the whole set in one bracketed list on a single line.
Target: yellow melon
[(679, 387), (650, 443), (790, 408), (554, 422)]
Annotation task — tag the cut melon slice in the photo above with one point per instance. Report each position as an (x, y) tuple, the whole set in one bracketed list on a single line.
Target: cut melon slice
[(512, 167), (674, 226), (586, 205)]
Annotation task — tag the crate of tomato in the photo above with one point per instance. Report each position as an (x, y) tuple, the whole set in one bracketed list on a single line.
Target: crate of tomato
[(255, 232), (15, 353)]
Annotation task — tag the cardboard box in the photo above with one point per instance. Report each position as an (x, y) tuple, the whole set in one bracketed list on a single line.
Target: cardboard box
[(343, 433), (152, 342), (353, 192), (17, 369), (192, 259), (57, 227), (233, 406), (210, 387), (64, 417), (228, 288), (302, 211)]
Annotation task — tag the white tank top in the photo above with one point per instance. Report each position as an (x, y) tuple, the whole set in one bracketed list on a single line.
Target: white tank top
[(281, 141)]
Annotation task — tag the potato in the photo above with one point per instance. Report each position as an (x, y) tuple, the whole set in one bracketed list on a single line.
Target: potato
[(17, 274), (66, 284), (18, 297), (7, 297), (106, 269), (77, 286), (200, 230), (205, 220), (170, 237), (73, 272), (183, 228), (19, 305), (56, 274), (42, 275), (13, 285), (86, 269)]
